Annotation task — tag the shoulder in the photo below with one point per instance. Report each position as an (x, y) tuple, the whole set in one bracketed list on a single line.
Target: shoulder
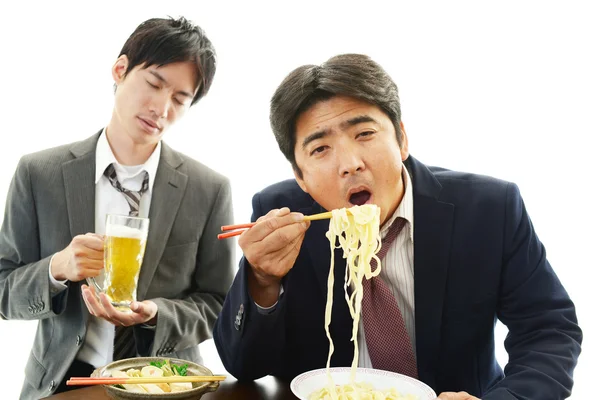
[(460, 187), (48, 161), (54, 155)]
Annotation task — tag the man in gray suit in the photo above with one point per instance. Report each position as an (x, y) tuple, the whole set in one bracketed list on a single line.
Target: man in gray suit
[(51, 238)]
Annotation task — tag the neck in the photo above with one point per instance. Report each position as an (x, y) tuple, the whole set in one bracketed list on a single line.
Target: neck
[(125, 150)]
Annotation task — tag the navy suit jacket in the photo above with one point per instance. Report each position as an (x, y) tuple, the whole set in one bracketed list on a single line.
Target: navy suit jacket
[(476, 259)]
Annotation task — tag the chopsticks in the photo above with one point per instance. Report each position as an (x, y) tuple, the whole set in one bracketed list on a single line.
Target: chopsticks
[(241, 228), (129, 381)]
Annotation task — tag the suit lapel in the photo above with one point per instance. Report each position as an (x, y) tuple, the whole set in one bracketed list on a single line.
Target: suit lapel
[(167, 193), (80, 188), (433, 221)]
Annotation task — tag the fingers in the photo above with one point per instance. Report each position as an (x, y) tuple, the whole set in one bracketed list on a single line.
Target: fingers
[(273, 221), (141, 311), (86, 257), (284, 237), (100, 309), (80, 272), (101, 237), (90, 241), (113, 315), (91, 302), (144, 311), (272, 245), (273, 213)]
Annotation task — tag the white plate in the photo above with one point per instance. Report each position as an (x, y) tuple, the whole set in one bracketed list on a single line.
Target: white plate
[(305, 384)]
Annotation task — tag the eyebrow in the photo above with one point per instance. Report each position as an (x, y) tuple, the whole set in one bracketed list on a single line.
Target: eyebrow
[(160, 78), (344, 125), (357, 120)]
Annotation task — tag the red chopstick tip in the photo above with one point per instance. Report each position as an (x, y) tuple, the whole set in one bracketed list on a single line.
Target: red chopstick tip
[(230, 234), (238, 226)]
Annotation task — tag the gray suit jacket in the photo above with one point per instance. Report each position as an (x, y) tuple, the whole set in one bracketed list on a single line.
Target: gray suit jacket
[(186, 270)]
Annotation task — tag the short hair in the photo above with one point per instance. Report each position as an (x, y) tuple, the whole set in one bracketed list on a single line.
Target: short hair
[(162, 41), (353, 75)]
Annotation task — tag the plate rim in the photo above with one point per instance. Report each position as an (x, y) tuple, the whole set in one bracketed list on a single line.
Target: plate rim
[(423, 385)]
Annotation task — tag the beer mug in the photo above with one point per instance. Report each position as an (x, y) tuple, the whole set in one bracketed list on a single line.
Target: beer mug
[(124, 246)]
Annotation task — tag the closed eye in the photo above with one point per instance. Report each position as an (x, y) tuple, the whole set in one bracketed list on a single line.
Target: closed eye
[(152, 85)]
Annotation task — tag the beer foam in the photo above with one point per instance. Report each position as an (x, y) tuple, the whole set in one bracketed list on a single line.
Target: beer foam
[(125, 232)]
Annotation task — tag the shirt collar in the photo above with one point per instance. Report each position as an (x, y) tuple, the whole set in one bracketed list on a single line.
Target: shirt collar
[(405, 208), (105, 157)]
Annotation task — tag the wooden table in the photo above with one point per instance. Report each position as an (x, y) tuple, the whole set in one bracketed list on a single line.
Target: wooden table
[(265, 388)]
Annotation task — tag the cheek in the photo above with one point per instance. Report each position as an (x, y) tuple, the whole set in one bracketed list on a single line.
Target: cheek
[(324, 188), (175, 114), (130, 102), (387, 161)]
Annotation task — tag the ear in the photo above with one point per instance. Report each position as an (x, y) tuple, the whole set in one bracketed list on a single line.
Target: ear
[(403, 142), (119, 69), (300, 181)]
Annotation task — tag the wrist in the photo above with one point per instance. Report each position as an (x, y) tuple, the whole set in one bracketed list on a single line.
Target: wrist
[(264, 292), (56, 267)]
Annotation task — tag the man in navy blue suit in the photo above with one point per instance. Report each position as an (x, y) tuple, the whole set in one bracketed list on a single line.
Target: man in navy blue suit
[(466, 255)]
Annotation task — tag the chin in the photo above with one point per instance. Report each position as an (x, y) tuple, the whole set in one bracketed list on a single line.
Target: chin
[(143, 137)]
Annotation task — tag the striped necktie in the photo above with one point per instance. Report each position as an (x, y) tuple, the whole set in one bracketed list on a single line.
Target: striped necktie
[(133, 197), (124, 343)]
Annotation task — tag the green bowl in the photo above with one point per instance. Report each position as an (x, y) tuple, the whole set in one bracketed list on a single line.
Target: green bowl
[(198, 388)]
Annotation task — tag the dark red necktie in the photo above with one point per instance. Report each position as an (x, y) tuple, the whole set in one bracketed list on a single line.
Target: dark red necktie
[(387, 340)]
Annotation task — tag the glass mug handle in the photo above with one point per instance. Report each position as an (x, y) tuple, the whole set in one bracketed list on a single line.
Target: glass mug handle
[(93, 283), (92, 280)]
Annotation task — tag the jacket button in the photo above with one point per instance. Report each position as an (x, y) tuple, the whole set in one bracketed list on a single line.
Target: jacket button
[(52, 386), (79, 340)]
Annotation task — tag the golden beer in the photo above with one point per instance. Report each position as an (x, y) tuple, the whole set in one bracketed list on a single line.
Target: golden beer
[(123, 258), (124, 247)]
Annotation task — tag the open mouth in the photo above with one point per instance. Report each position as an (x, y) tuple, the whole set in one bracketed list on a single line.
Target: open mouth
[(360, 198)]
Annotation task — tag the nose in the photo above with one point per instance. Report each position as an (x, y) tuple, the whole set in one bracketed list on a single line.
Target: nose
[(351, 162), (159, 105)]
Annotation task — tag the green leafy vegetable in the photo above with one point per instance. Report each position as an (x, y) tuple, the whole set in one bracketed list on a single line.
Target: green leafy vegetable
[(180, 370), (170, 369), (158, 364)]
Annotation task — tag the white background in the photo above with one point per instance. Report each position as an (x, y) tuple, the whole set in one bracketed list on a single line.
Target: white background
[(509, 89)]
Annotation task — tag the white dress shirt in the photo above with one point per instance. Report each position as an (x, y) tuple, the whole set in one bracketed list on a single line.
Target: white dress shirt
[(397, 271), (97, 348)]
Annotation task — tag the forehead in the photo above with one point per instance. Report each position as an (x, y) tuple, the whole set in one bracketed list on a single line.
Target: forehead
[(332, 113)]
